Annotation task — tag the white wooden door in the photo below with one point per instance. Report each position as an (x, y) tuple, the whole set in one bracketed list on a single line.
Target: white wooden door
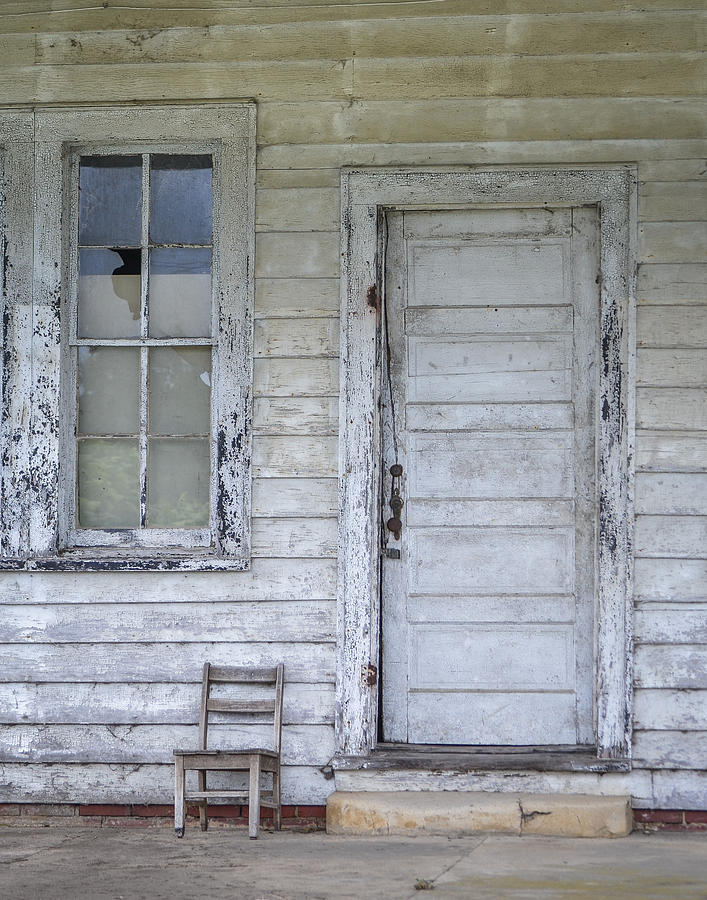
[(492, 326)]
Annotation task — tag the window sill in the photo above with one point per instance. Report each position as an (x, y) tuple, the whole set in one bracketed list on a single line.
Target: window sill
[(465, 760), (128, 561)]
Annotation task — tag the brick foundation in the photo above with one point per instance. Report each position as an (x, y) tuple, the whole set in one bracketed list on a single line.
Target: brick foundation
[(650, 820), (294, 818)]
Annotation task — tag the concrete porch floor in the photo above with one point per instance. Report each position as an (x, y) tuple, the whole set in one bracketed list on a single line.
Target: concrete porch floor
[(63, 863)]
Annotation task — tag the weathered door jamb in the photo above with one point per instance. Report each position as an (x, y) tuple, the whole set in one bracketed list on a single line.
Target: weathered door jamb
[(366, 194)]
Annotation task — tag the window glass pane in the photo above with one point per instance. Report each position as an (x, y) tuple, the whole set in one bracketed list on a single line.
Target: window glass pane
[(180, 292), (110, 200), (180, 199), (180, 390), (109, 390), (109, 293), (178, 483), (109, 483)]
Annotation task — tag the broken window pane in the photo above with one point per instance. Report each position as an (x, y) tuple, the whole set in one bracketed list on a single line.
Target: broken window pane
[(110, 201), (109, 293), (180, 390), (178, 483), (109, 390), (180, 199), (180, 292), (109, 483)]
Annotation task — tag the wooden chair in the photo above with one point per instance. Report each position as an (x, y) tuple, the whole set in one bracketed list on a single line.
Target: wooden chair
[(252, 760)]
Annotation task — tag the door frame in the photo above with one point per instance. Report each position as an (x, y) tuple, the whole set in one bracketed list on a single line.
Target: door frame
[(366, 194)]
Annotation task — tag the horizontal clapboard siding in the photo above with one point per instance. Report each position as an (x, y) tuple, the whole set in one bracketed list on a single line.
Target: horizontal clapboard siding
[(350, 84)]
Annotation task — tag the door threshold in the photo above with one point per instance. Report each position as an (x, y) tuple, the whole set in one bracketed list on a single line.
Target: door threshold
[(465, 759)]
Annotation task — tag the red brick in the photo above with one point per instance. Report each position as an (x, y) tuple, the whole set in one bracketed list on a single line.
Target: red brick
[(127, 822), (289, 812), (667, 816), (224, 811), (696, 816), (153, 809), (318, 812), (48, 809), (670, 826), (9, 809), (106, 809)]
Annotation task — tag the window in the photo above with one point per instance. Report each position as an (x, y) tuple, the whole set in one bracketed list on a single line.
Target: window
[(139, 360)]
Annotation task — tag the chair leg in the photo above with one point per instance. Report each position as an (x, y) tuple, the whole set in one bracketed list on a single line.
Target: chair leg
[(254, 797), (277, 812), (179, 796), (203, 809)]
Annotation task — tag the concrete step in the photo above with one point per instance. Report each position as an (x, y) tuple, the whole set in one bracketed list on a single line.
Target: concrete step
[(467, 812)]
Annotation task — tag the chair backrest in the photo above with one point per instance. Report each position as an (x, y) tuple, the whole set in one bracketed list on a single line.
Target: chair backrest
[(264, 704)]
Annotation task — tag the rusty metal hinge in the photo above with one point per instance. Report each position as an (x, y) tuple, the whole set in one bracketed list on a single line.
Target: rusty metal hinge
[(369, 675)]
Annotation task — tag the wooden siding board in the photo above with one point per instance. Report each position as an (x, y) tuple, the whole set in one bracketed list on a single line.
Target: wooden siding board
[(629, 75), (417, 152), (672, 368), (502, 119), (680, 666), (130, 783), (671, 409), (302, 745), (301, 415), (300, 297), (679, 790), (492, 35), (671, 201), (670, 625), (279, 579), (306, 662), (287, 497), (670, 709), (680, 327), (676, 580), (672, 242), (671, 536), (669, 749), (673, 170), (671, 451), (668, 493), (296, 377), (297, 620), (111, 703)]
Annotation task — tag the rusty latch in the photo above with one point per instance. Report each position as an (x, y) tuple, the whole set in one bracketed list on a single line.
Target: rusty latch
[(369, 675), (396, 504)]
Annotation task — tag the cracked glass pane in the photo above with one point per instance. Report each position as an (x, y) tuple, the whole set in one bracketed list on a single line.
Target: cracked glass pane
[(109, 293)]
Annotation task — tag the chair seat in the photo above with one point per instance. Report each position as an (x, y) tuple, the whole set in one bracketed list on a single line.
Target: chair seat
[(248, 751)]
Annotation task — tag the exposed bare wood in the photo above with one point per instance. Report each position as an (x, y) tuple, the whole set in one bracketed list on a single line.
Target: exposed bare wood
[(672, 368), (671, 667), (287, 297)]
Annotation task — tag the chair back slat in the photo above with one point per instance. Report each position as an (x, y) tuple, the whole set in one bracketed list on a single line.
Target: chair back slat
[(240, 706), (242, 675)]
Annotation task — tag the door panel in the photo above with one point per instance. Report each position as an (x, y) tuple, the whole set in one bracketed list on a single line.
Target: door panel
[(491, 319)]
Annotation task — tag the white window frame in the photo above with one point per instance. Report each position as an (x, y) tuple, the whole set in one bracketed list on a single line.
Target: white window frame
[(366, 194), (38, 474)]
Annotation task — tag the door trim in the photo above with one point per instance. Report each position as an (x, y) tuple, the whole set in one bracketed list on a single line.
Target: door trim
[(366, 194)]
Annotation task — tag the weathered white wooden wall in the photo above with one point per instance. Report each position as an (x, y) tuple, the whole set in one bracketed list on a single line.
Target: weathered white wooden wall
[(101, 669)]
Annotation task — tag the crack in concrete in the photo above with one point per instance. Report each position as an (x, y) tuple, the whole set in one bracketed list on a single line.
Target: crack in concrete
[(465, 853)]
